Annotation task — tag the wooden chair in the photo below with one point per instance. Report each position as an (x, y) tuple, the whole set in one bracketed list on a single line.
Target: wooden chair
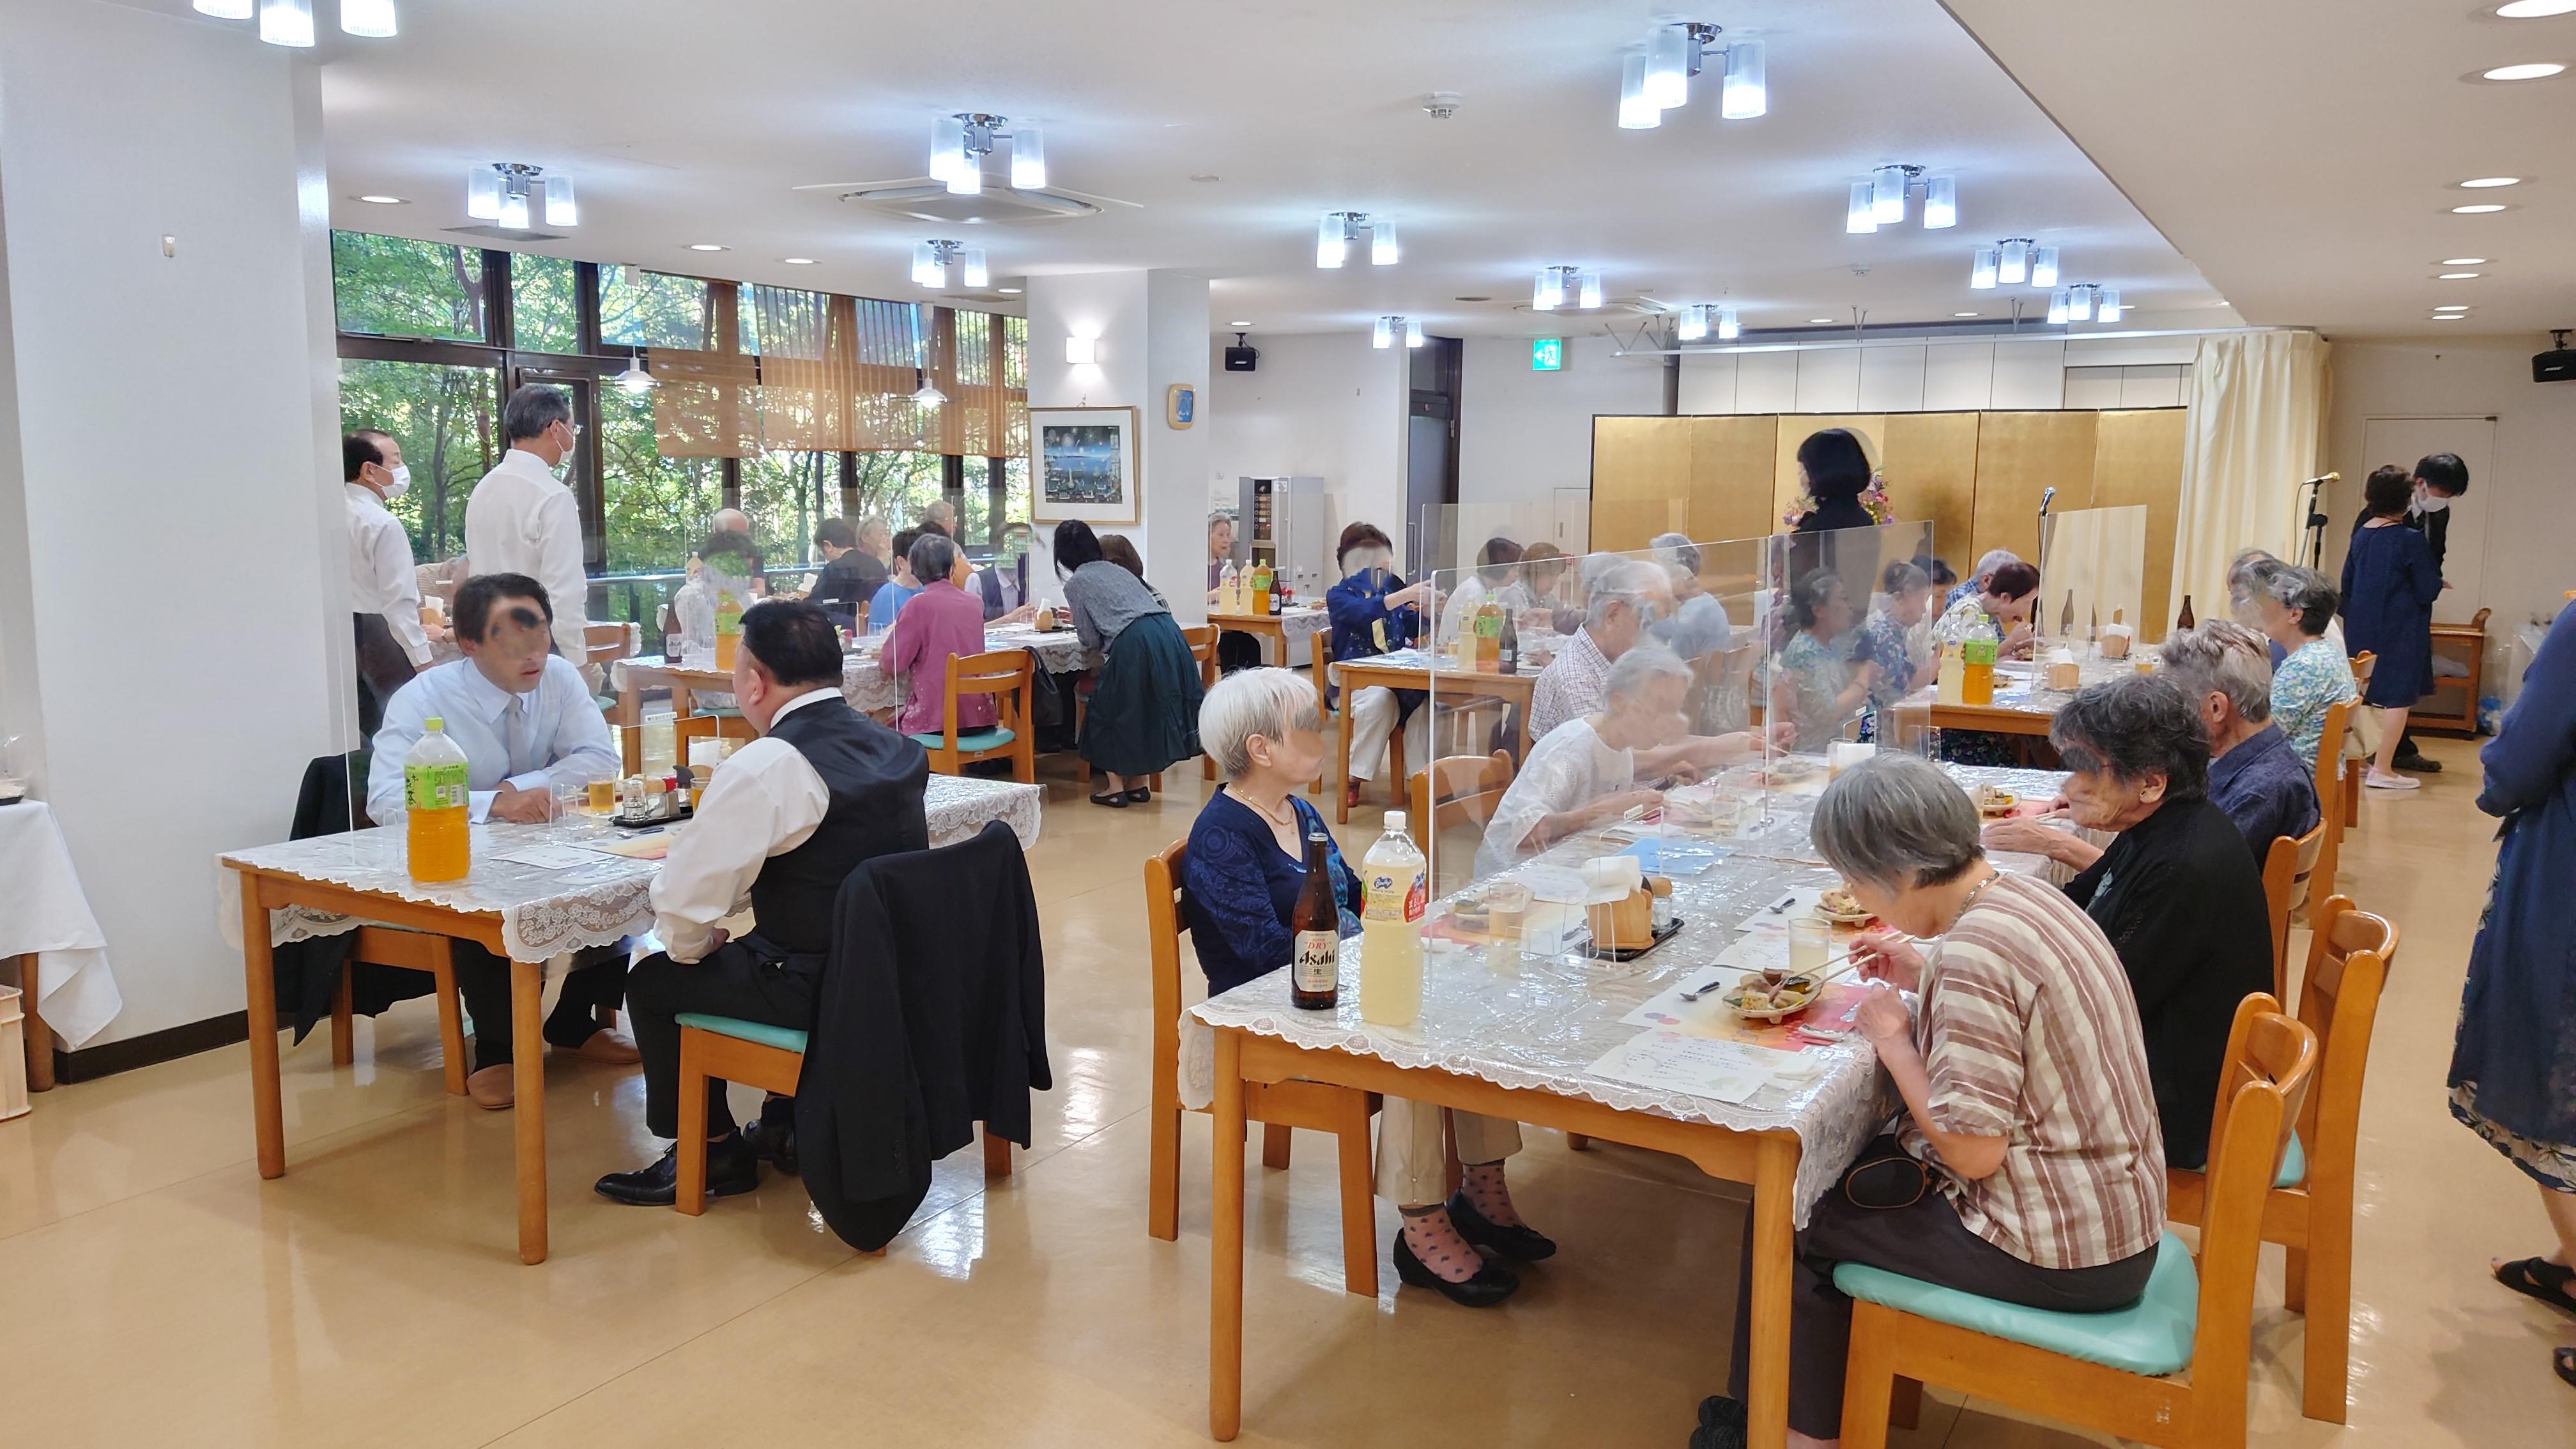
[(411, 951), (2354, 768), (1457, 790), (771, 1058), (2330, 793), (2120, 1372), (2288, 867), (715, 724), (1202, 642), (1007, 674), (2309, 1208), (1278, 1106)]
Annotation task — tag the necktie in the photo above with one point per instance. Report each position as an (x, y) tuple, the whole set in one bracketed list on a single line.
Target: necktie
[(514, 732)]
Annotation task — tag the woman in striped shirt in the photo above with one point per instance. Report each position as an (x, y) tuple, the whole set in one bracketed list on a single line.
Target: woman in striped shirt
[(2027, 1165)]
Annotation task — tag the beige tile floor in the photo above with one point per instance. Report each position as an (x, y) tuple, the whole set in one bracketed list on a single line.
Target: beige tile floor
[(153, 1290)]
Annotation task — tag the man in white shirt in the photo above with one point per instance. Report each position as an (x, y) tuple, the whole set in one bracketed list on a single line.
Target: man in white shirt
[(1620, 600), (786, 819), (525, 721), (384, 593), (522, 520)]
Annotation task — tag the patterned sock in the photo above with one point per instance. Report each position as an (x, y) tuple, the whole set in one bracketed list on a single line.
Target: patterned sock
[(1434, 1240), (1487, 1194)]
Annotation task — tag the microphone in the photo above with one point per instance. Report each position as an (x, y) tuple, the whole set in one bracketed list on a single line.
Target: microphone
[(2045, 495), (2324, 478)]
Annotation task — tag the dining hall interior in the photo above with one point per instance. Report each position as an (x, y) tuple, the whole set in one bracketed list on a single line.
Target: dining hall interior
[(1767, 725)]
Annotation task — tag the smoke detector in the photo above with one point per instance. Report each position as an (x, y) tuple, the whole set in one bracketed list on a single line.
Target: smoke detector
[(1441, 105)]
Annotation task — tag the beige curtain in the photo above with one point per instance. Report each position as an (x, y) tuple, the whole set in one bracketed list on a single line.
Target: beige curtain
[(2257, 428)]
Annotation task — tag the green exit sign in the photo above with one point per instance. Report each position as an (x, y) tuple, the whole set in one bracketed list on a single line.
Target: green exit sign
[(1547, 354)]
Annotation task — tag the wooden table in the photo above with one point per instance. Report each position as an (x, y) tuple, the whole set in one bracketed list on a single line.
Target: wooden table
[(656, 672), (1275, 627), (1355, 675), (1766, 1160)]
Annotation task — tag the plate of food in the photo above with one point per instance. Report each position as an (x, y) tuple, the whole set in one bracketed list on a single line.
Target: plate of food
[(1762, 998), (1994, 804), (1842, 908)]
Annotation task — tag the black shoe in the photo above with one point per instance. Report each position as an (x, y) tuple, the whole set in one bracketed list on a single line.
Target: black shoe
[(1492, 1284), (731, 1169), (775, 1145), (1116, 801), (1144, 795), (2421, 764), (1722, 1424), (1519, 1242)]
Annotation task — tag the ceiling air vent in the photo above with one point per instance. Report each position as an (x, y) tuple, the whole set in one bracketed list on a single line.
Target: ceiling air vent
[(994, 206), (495, 233)]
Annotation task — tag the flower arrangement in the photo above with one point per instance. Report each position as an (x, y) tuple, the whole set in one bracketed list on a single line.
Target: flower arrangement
[(1873, 498)]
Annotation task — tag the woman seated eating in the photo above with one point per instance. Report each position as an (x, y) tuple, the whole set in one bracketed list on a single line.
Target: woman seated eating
[(1144, 710), (1586, 770), (900, 585), (2178, 893), (2295, 608), (1999, 609), (1373, 612), (1812, 685), (2026, 1166), (1886, 640), (940, 621), (1240, 880)]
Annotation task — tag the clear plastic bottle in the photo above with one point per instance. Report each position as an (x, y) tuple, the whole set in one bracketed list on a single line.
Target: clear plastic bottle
[(437, 841), (1229, 590), (1394, 883), (728, 627)]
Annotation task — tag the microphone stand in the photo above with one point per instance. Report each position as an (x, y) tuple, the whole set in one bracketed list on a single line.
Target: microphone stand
[(2316, 524)]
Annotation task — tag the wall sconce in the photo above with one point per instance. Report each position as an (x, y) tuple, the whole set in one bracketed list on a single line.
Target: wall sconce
[(1081, 351)]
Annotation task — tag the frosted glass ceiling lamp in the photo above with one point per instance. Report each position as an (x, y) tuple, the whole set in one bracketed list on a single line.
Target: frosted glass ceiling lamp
[(1745, 93), (226, 9), (1940, 203), (1887, 195), (1383, 336), (2079, 304), (2012, 261), (1726, 328), (1668, 67), (2057, 308), (1549, 294), (1692, 325), (373, 19), (561, 209), (1383, 250), (514, 209), (947, 147), (2043, 267), (2109, 308), (1982, 265), (286, 22), (1028, 159), (483, 194), (1588, 295), (1862, 218), (1412, 333), (927, 269), (1636, 113), (976, 275), (1333, 239)]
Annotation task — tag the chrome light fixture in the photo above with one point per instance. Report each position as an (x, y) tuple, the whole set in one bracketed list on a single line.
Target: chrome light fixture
[(1656, 76), (499, 193), (932, 259), (959, 142), (1335, 233), (2012, 261), (1880, 199), (290, 22), (2085, 302), (1384, 334)]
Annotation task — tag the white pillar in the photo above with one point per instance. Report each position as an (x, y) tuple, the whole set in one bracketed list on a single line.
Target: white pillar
[(174, 633), (1148, 330)]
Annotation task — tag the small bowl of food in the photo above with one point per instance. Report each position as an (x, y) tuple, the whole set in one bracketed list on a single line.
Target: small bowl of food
[(1842, 908), (1758, 998), (1994, 804)]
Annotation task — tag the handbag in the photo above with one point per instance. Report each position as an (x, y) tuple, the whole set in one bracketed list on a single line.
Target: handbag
[(1885, 1178)]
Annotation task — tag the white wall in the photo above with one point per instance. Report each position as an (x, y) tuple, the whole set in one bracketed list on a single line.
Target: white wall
[(173, 639), (1325, 405), (1523, 434), (2525, 497)]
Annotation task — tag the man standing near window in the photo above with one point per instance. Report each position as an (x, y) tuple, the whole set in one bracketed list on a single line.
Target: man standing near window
[(384, 593), (522, 520)]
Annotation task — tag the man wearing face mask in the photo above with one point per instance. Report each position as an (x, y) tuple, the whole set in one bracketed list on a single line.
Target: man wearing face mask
[(1003, 585), (384, 593), (522, 520), (2439, 478)]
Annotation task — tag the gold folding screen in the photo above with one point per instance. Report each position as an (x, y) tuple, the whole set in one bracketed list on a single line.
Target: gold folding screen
[(1977, 477)]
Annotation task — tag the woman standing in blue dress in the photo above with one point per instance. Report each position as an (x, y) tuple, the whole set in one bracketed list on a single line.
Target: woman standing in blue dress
[(2510, 1066), (2389, 584)]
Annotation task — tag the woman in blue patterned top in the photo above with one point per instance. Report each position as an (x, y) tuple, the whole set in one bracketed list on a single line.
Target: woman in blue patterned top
[(1811, 684), (2295, 606), (1883, 640), (1239, 886)]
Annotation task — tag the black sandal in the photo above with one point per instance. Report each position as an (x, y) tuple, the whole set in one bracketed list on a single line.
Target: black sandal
[(2539, 1278)]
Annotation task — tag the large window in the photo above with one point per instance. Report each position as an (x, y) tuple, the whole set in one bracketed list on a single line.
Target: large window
[(638, 308), (545, 305), (394, 287), (445, 419)]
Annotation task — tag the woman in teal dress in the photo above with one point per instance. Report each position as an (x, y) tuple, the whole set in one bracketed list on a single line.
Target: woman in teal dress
[(1812, 685), (2513, 1068)]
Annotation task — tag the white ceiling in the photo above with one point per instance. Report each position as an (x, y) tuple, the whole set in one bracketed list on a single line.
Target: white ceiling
[(2306, 153), (681, 127)]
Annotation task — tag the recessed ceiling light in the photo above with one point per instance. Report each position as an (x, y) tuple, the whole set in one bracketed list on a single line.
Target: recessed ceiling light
[(2534, 9), (2458, 276), (1238, 324), (798, 261), (707, 247), (2480, 209), (1008, 291), (2535, 70), (2450, 316), (2486, 181), (1963, 314), (382, 200), (2473, 261), (1207, 178), (2452, 307), (1828, 321)]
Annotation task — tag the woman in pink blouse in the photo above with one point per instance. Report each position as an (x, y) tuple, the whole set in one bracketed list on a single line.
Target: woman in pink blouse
[(941, 620)]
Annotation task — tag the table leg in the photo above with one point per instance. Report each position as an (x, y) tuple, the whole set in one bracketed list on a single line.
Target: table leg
[(259, 986), (1398, 796), (1775, 1177), (1342, 765), (528, 1049), (40, 1038), (1225, 1246)]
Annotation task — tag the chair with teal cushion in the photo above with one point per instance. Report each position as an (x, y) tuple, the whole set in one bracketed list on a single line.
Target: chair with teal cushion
[(983, 741), (2121, 1372), (784, 1038), (1007, 675), (2294, 1166)]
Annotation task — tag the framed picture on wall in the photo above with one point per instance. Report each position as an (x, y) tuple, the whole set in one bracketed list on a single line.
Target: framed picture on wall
[(1083, 464)]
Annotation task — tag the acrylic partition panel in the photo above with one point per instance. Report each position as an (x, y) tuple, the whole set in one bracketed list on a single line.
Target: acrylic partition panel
[(1848, 654), (1567, 746), (2092, 574)]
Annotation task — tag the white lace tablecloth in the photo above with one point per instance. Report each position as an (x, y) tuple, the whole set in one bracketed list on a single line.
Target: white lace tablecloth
[(871, 688), (1295, 626), (546, 911), (1538, 1023)]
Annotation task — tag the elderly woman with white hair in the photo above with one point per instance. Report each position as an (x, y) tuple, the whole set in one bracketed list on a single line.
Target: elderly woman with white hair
[(2295, 607), (1240, 880), (2027, 1164)]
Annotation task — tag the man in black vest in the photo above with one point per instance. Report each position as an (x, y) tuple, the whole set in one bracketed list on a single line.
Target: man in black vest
[(787, 817)]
